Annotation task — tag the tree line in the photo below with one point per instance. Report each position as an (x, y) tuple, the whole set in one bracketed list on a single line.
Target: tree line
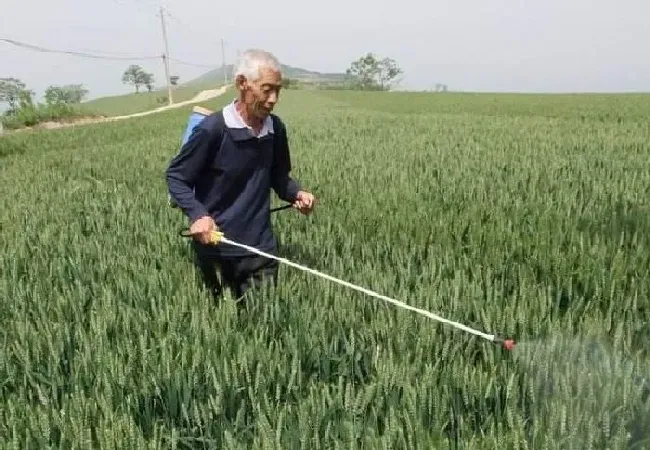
[(60, 101), (23, 111), (369, 72)]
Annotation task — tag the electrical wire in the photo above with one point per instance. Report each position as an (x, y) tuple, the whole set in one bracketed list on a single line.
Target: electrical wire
[(206, 66), (97, 56), (38, 48)]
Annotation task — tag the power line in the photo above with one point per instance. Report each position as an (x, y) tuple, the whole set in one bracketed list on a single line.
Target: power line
[(193, 29), (204, 66), (116, 57), (97, 56), (147, 9), (38, 48), (183, 24)]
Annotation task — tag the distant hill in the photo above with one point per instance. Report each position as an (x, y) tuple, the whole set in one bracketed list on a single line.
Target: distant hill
[(216, 76)]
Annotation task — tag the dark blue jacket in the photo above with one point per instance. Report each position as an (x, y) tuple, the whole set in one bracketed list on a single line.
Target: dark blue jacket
[(227, 173)]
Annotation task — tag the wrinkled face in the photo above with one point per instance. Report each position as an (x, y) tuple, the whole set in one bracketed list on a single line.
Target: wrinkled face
[(261, 95)]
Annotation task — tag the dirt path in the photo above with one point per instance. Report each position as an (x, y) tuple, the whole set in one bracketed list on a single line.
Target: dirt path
[(198, 98)]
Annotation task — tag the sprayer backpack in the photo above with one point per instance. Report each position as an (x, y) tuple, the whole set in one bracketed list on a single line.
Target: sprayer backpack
[(198, 115)]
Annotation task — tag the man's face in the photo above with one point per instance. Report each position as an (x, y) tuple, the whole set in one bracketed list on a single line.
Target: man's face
[(262, 94)]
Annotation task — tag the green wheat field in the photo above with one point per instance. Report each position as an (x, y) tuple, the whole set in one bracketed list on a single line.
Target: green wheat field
[(520, 215)]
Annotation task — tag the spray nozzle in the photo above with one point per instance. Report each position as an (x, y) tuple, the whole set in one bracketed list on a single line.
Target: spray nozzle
[(508, 344)]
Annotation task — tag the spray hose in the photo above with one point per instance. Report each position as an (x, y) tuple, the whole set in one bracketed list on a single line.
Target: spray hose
[(218, 237)]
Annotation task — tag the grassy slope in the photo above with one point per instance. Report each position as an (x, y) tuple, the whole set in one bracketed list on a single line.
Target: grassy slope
[(134, 103), (144, 101), (516, 222)]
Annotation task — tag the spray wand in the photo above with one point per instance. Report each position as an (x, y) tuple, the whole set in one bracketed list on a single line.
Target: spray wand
[(218, 237)]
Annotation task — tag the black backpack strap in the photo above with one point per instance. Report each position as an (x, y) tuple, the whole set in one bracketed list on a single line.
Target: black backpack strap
[(278, 130), (217, 131)]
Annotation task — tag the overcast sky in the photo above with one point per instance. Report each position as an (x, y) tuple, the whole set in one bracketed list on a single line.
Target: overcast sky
[(471, 45)]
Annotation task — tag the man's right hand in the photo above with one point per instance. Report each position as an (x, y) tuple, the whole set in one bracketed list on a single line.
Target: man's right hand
[(202, 229)]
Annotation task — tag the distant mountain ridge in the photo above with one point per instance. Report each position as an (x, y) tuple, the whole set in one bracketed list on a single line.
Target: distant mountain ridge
[(216, 76)]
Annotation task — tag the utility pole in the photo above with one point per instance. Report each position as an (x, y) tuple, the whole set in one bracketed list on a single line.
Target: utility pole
[(166, 56), (223, 63)]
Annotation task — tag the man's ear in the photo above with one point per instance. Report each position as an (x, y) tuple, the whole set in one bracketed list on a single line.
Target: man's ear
[(241, 82)]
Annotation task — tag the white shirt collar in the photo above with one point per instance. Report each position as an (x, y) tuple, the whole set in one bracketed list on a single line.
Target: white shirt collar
[(234, 120)]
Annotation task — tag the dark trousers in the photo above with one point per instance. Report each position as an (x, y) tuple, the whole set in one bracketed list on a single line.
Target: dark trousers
[(239, 274)]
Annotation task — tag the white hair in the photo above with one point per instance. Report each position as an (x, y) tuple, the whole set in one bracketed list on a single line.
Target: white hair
[(251, 61)]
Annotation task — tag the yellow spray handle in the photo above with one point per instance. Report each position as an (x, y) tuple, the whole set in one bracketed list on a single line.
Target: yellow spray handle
[(215, 235)]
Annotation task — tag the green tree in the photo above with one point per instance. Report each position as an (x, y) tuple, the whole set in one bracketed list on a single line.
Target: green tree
[(369, 72), (135, 75), (68, 94), (148, 80), (12, 90), (25, 99)]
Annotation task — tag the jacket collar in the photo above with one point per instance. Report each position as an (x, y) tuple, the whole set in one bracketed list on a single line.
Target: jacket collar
[(232, 119)]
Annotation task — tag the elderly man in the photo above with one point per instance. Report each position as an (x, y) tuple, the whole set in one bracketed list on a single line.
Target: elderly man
[(222, 177)]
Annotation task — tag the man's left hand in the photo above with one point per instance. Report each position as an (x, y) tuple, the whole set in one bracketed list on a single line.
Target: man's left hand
[(304, 202)]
